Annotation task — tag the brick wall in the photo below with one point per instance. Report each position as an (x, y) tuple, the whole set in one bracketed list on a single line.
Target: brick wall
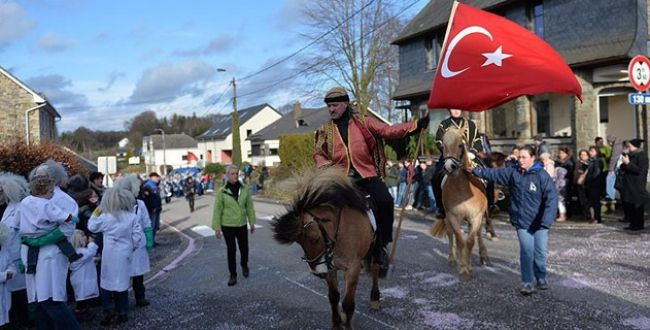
[(14, 100)]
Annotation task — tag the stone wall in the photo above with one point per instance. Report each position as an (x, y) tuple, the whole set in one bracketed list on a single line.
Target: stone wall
[(14, 100)]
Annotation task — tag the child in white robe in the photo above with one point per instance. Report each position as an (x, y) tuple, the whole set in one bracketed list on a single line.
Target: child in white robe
[(116, 219), (83, 273)]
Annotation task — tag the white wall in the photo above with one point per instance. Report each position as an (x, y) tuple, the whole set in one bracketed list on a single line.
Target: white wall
[(270, 160), (259, 121), (174, 157), (622, 121)]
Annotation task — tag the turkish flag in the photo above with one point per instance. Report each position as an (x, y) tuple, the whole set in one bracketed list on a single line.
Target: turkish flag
[(488, 60)]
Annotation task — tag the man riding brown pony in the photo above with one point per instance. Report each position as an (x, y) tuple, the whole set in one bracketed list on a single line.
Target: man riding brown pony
[(354, 144)]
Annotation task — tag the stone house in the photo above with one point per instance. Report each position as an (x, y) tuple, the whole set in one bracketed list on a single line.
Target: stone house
[(597, 38), (24, 114), (216, 142)]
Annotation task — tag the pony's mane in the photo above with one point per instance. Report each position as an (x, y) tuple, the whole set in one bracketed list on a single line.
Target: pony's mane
[(451, 137), (327, 187)]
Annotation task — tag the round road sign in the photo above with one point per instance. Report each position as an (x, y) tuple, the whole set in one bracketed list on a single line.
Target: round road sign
[(639, 72)]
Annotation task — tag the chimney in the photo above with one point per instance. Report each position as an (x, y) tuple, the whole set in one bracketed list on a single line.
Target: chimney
[(297, 113)]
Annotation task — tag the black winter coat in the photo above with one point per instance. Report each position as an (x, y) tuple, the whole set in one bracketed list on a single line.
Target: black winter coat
[(633, 178)]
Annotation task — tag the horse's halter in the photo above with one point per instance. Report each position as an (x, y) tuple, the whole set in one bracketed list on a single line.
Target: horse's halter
[(457, 160), (328, 252)]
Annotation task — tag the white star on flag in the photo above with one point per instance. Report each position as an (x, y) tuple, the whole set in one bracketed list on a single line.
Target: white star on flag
[(495, 58)]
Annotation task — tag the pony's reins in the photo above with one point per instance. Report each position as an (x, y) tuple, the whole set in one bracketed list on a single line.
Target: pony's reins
[(328, 252)]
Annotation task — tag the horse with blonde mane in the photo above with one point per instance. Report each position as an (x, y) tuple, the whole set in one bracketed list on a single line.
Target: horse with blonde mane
[(328, 218), (464, 199)]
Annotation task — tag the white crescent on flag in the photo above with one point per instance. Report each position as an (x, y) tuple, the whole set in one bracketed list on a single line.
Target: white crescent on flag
[(495, 57)]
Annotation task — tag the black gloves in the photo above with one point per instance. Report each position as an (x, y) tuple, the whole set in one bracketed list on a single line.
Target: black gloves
[(423, 122)]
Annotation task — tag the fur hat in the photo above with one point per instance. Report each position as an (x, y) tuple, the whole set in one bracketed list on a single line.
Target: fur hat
[(117, 200), (130, 182), (337, 94), (13, 188)]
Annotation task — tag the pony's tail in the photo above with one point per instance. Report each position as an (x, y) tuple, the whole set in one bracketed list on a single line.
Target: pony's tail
[(439, 228)]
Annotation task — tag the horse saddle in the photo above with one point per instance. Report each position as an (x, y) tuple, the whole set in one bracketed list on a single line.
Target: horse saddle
[(371, 214)]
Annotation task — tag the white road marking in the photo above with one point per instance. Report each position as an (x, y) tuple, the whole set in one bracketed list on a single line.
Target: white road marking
[(203, 230), (324, 296), (191, 247)]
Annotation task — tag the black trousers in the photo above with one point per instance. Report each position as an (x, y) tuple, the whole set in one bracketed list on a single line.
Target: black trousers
[(634, 214), (138, 287), (240, 234), (19, 312), (383, 207), (437, 180), (593, 195)]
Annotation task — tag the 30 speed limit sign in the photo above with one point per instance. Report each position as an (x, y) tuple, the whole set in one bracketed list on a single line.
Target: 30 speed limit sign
[(639, 72)]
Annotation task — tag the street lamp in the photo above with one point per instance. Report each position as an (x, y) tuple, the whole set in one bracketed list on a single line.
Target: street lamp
[(164, 151)]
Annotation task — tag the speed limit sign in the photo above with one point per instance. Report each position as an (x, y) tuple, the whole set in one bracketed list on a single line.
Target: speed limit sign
[(639, 72)]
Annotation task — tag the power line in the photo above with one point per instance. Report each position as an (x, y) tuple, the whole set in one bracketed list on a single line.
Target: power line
[(210, 108), (274, 83), (309, 44)]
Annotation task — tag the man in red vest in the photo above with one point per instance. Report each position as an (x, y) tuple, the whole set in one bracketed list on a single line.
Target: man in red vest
[(355, 144)]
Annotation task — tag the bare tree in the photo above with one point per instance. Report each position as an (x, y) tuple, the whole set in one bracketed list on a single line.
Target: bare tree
[(357, 54)]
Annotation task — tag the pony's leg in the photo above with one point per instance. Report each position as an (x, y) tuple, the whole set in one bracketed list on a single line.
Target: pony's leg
[(452, 248), (374, 292), (489, 229), (334, 297), (454, 225), (351, 281), (466, 258), (482, 251)]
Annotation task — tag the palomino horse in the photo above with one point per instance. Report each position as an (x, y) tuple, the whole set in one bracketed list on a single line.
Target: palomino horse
[(463, 197), (329, 220)]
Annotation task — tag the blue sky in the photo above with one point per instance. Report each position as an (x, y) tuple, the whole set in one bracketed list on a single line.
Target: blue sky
[(102, 62)]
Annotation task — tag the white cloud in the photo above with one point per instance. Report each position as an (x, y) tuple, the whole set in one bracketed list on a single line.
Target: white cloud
[(55, 88), (290, 14), (220, 44), (168, 81), (14, 23), (52, 42), (111, 80)]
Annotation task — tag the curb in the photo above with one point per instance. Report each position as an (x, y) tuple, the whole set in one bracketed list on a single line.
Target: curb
[(192, 247)]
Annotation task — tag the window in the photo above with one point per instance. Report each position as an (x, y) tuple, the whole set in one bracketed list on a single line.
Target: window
[(249, 132), (432, 46), (536, 17), (543, 117), (184, 157), (603, 109), (274, 151)]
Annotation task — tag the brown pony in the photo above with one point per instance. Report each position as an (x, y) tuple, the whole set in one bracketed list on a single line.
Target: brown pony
[(464, 199), (329, 220)]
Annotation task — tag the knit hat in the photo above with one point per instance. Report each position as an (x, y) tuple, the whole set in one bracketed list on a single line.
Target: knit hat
[(636, 142), (337, 94)]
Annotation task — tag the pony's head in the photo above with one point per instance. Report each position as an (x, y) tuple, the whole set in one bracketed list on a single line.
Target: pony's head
[(312, 219), (455, 149)]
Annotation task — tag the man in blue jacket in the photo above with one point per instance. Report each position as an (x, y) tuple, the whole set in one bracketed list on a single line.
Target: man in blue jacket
[(533, 208)]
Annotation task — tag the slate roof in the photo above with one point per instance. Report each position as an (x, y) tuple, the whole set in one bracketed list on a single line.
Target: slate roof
[(173, 141), (312, 119), (222, 124), (435, 14)]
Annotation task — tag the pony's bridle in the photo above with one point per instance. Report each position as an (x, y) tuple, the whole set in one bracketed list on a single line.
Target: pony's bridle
[(457, 162), (328, 252)]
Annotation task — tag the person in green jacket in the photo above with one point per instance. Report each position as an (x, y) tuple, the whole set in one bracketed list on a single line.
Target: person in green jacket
[(233, 209)]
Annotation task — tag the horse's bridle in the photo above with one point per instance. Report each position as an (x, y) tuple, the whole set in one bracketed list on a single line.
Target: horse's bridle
[(328, 252), (454, 159)]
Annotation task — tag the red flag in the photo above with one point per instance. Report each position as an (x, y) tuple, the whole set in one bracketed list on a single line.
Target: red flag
[(488, 60), (192, 157)]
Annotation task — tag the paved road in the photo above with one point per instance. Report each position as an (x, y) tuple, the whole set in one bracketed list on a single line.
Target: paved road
[(599, 277)]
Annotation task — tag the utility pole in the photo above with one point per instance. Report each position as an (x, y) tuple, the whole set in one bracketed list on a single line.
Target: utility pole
[(164, 152), (236, 139)]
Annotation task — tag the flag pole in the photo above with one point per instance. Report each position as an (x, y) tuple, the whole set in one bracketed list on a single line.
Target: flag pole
[(393, 250)]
